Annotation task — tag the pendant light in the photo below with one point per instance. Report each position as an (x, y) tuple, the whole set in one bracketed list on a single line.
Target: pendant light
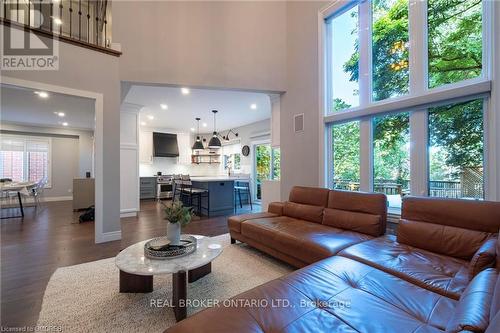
[(198, 145), (214, 141)]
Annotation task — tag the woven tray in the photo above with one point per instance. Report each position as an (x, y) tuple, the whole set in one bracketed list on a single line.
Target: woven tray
[(188, 246)]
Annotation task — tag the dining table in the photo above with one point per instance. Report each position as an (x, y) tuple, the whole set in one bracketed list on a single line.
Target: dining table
[(21, 188)]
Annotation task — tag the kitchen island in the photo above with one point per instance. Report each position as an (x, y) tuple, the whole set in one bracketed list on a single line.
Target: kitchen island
[(221, 189)]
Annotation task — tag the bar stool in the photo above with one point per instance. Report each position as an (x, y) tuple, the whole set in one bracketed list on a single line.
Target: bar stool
[(189, 192), (242, 185)]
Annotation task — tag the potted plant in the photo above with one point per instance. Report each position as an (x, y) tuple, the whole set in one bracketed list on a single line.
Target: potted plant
[(176, 215)]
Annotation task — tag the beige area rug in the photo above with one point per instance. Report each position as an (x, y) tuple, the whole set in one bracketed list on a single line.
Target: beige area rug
[(85, 297)]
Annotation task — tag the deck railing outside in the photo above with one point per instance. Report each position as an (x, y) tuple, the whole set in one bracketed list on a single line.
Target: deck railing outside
[(437, 188)]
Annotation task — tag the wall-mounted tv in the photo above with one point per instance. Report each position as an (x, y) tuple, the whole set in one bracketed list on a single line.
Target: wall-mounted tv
[(165, 145)]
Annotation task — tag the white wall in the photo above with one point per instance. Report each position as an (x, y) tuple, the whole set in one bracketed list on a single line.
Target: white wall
[(226, 44), (300, 151)]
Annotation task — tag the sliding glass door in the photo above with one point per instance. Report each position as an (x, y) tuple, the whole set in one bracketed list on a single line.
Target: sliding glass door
[(266, 166)]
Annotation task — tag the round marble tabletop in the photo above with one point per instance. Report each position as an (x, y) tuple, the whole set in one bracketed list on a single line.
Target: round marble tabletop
[(132, 259)]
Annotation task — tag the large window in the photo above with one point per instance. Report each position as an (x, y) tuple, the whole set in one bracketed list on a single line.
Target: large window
[(346, 156), (455, 40), (343, 38), (390, 60), (401, 116), (391, 157), (456, 150), (25, 158)]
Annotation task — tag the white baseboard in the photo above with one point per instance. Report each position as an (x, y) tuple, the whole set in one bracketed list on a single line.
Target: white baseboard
[(128, 212), (109, 236), (48, 199)]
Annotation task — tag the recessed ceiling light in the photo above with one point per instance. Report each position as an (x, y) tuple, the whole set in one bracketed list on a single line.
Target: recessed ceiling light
[(185, 91), (164, 106), (143, 123), (204, 124), (57, 20), (59, 114), (42, 94), (65, 124), (151, 117), (253, 106), (192, 129)]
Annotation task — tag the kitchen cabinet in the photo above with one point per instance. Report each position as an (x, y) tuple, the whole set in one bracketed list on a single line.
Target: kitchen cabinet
[(221, 191), (146, 147), (147, 188)]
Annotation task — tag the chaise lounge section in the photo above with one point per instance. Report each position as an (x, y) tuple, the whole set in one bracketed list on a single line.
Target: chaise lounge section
[(314, 224), (413, 282)]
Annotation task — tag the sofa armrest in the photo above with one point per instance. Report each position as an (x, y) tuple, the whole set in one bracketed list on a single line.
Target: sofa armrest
[(276, 208), (484, 257)]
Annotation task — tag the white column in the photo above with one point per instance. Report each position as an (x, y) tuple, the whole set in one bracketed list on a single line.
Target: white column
[(129, 159)]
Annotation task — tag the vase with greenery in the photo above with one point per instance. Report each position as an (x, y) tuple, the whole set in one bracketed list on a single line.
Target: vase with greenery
[(177, 215)]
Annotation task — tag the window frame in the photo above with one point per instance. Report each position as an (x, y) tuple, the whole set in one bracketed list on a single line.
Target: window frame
[(25, 140), (416, 102)]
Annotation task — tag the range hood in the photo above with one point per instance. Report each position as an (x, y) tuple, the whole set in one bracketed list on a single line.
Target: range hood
[(165, 145)]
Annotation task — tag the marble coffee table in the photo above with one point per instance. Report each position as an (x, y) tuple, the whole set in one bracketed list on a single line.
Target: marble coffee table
[(137, 271)]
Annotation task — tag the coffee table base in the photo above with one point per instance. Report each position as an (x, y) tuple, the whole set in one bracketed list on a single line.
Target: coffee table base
[(132, 283)]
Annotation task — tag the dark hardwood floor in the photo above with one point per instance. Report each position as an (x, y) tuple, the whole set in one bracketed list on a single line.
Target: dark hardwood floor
[(50, 237)]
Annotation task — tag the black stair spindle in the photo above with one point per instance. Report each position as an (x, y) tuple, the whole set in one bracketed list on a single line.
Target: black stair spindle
[(79, 19), (29, 13), (51, 15), (88, 21), (71, 18), (60, 16)]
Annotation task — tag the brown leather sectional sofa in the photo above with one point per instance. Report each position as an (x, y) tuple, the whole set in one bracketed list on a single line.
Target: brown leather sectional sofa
[(440, 273)]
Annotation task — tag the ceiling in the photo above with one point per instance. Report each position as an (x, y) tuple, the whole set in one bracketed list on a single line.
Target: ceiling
[(22, 106), (234, 107)]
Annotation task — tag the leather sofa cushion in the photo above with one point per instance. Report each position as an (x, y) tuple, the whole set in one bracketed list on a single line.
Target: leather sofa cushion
[(234, 222), (468, 214), (361, 202), (314, 196), (360, 222), (444, 275), (473, 309), (334, 295), (304, 212), (484, 257), (306, 241), (276, 208), (495, 305), (451, 241)]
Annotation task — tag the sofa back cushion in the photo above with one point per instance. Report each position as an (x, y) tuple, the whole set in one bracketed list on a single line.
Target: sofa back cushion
[(357, 211), (454, 242), (474, 307), (306, 203), (314, 196), (303, 212), (452, 227)]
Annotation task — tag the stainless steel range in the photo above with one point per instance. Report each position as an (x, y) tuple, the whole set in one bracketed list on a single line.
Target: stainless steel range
[(165, 187)]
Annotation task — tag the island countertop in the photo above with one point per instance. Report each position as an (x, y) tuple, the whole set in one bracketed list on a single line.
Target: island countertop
[(215, 178)]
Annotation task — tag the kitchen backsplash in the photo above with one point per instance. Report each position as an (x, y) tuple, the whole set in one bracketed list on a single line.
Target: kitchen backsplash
[(170, 166)]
